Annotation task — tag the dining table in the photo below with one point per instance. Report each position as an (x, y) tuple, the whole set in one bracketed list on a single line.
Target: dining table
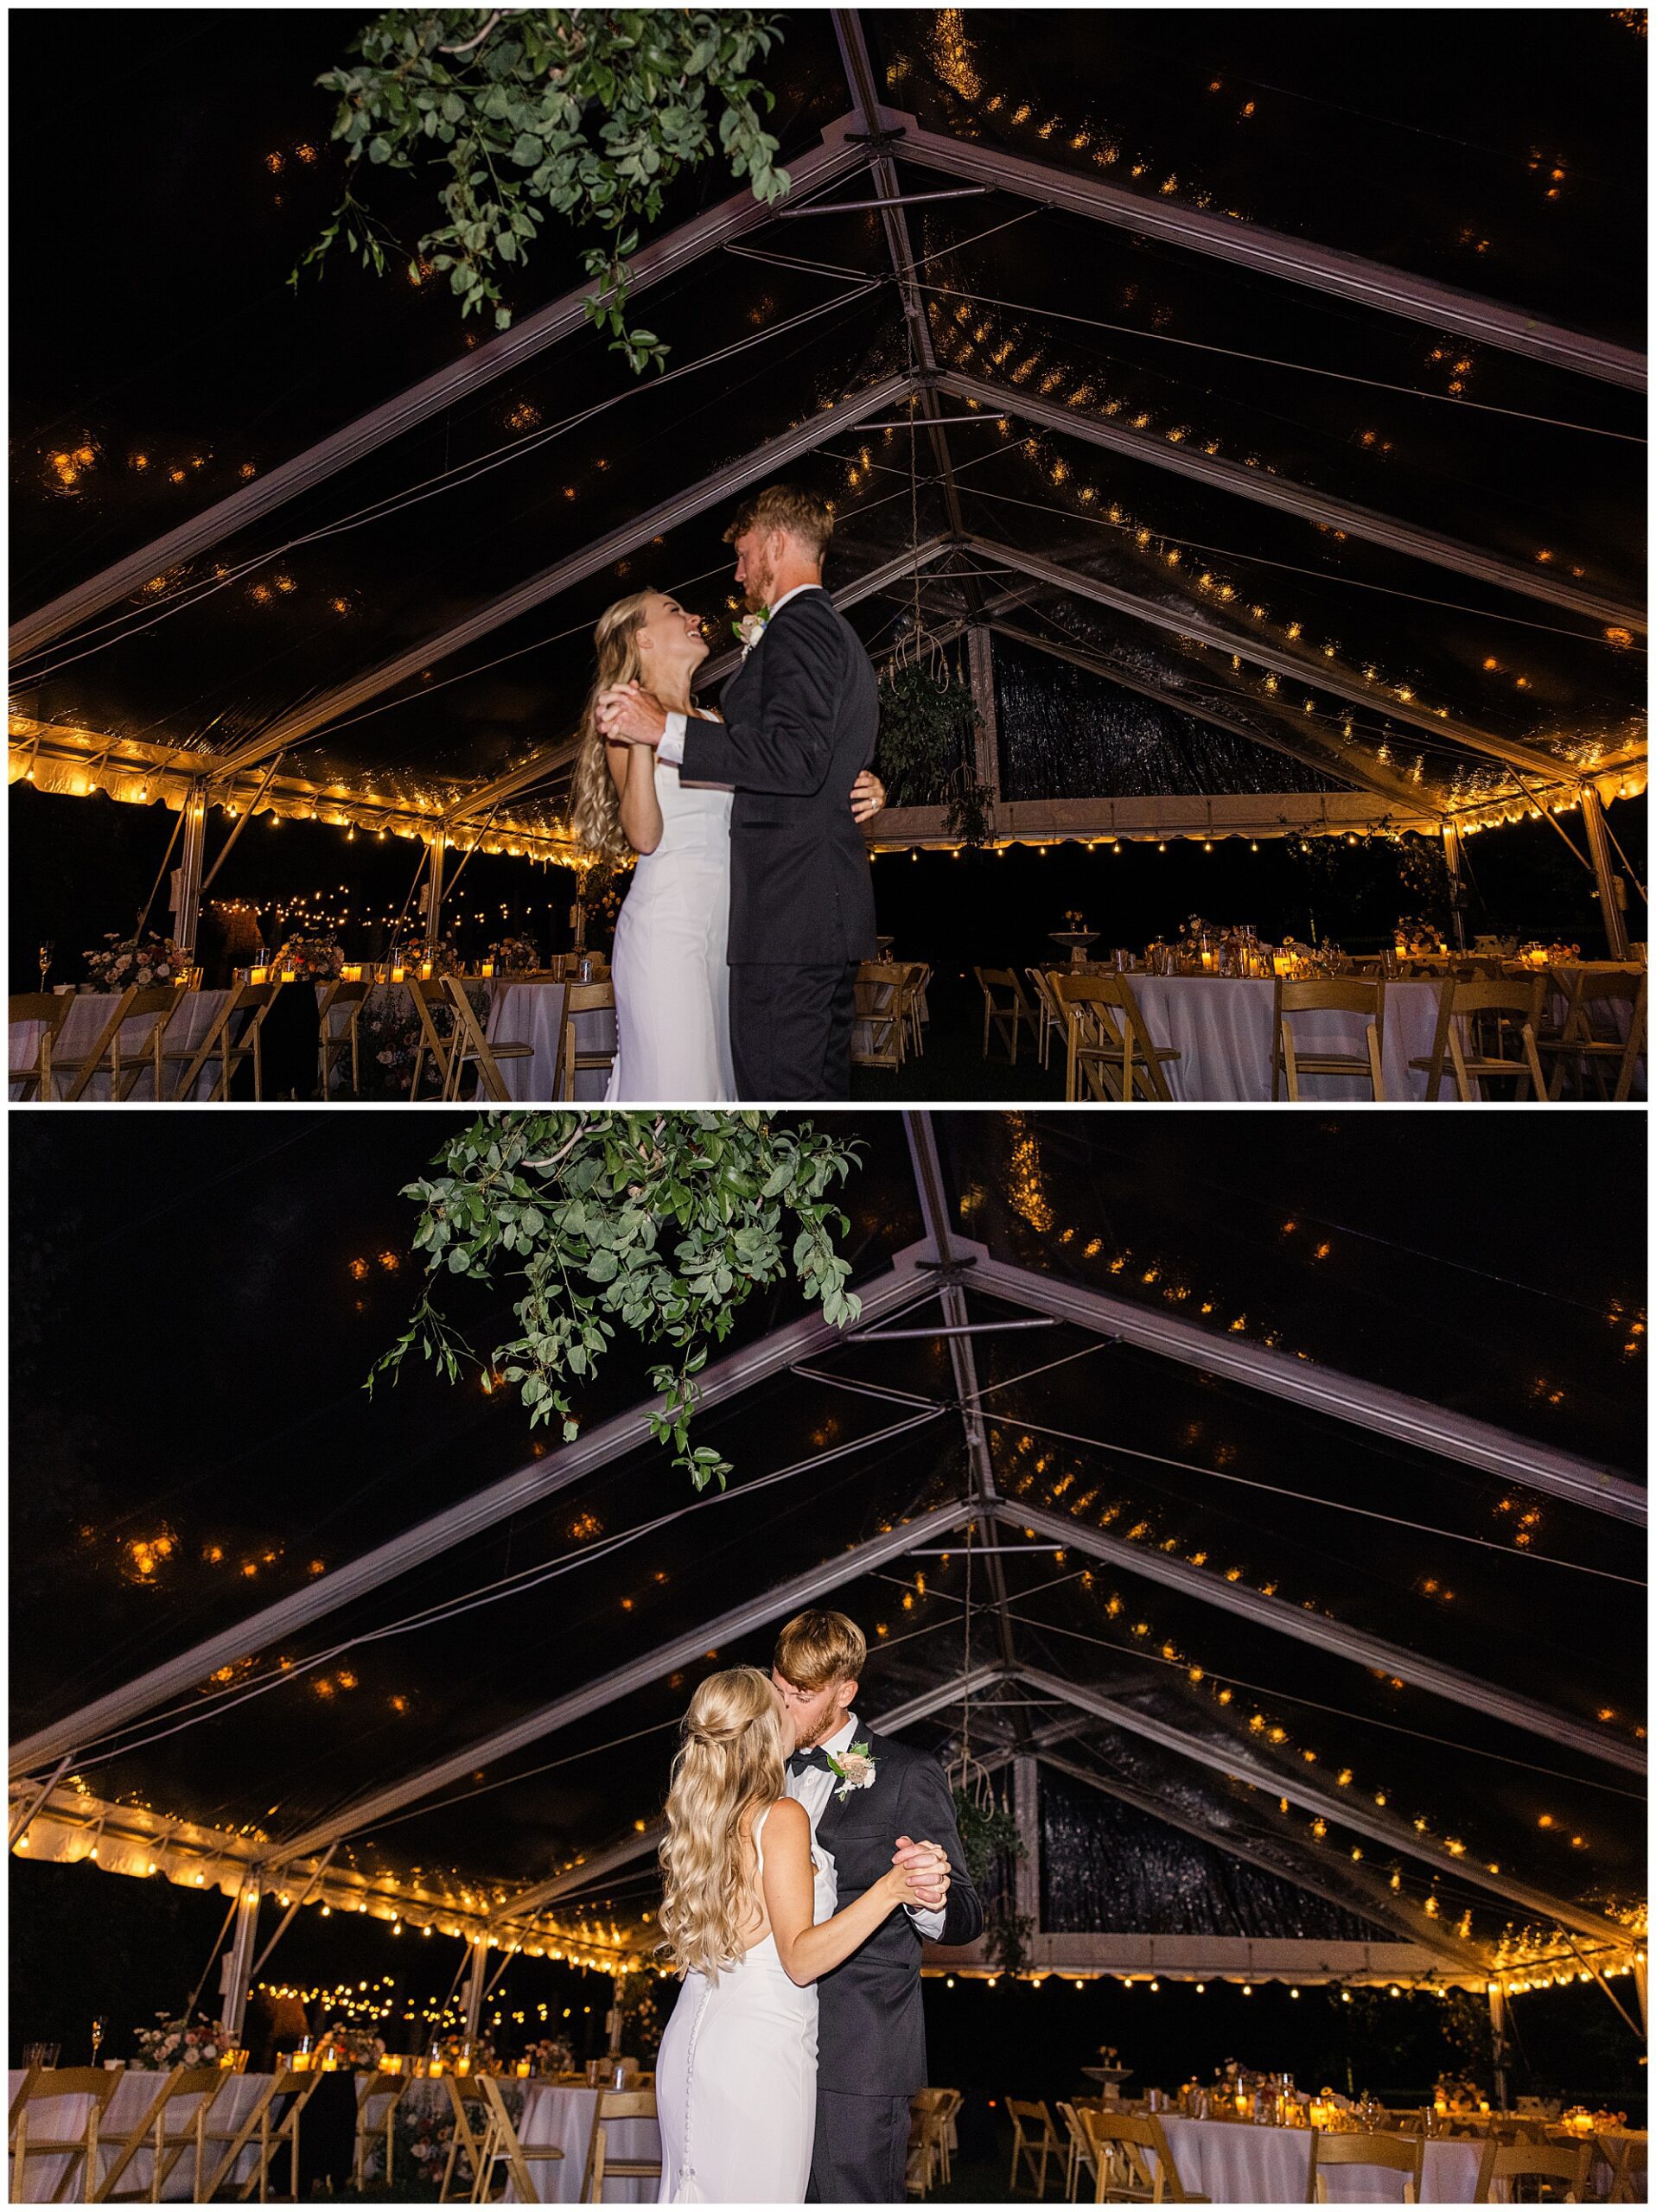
[(560, 2114), (1220, 1026), (1249, 2161)]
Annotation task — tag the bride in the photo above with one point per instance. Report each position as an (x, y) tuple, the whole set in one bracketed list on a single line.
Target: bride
[(748, 1919), (672, 990)]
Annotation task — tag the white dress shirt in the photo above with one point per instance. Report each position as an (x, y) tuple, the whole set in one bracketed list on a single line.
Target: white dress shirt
[(817, 1785), (672, 750)]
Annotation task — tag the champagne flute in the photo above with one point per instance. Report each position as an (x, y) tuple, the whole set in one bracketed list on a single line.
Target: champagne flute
[(99, 2026), (44, 955)]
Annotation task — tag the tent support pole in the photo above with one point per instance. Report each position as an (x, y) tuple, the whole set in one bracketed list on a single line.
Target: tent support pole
[(1612, 890), (433, 894), (477, 1955), (986, 743), (1026, 1806), (186, 900), (238, 1968), (1454, 861), (617, 1986), (1498, 2045), (1640, 1982)]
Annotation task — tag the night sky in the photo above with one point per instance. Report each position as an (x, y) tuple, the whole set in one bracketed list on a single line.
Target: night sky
[(167, 343)]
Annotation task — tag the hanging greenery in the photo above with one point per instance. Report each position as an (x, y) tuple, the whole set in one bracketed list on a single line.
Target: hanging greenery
[(990, 1839), (928, 721), (662, 1224), (585, 113)]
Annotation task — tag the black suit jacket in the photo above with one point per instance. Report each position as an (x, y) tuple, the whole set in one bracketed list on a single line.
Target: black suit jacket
[(801, 716), (871, 2027)]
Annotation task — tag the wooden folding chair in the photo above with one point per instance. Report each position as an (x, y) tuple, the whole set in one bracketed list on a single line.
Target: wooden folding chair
[(1510, 2163), (43, 2085), (1397, 2154), (501, 2146), (1049, 1015), (339, 1018), (377, 2096), (614, 2104), (1109, 1047), (1327, 995), (470, 1043), (167, 2134), (1079, 2155), (429, 998), (880, 1032), (264, 2135), (231, 1039), (1008, 1015), (1132, 2161), (584, 998), (917, 977), (130, 1058), (51, 1010), (1482, 1025), (469, 2139), (79, 1069), (1033, 2137), (1629, 2159), (929, 2113), (1597, 1047)]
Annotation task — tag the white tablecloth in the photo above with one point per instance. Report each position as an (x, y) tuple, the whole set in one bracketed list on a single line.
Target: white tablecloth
[(1221, 1027), (195, 1015), (60, 2117), (564, 2116), (532, 1014), (1236, 2162)]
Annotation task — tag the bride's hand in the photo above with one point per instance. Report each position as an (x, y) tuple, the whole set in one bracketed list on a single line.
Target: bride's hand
[(628, 713), (899, 1884), (867, 797)]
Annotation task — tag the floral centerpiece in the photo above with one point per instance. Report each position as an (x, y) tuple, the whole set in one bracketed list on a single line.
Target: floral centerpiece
[(314, 959), (391, 1032), (354, 2046), (1413, 935), (412, 952), (146, 962), (551, 2055), (514, 956), (200, 2042)]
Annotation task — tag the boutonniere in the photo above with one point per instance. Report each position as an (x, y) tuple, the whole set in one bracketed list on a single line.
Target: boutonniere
[(750, 629), (856, 1771)]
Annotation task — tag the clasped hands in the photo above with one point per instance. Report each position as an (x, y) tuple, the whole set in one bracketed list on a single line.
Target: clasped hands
[(928, 1868)]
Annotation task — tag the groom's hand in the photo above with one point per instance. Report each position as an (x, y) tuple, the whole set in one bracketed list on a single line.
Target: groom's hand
[(928, 1864), (634, 715)]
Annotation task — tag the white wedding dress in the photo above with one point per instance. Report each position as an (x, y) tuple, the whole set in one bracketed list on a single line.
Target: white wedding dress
[(673, 988), (735, 2078)]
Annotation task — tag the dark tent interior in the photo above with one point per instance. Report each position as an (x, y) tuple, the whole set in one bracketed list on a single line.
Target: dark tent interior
[(1284, 1554), (1252, 397)]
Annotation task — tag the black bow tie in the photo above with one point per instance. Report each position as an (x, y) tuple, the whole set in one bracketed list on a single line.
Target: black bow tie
[(816, 1756)]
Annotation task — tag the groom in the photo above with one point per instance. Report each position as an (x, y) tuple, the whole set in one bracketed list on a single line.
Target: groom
[(800, 720), (864, 1792)]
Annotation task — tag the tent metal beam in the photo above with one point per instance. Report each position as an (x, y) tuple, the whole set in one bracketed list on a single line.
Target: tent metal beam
[(725, 1378), (1049, 821), (1289, 498), (1269, 253), (1237, 1764), (933, 1194), (638, 1674), (1399, 1919), (1305, 1626), (553, 757), (534, 591), (838, 155), (1321, 1390), (580, 1877), (1330, 763), (1142, 1957), (1187, 622), (865, 96)]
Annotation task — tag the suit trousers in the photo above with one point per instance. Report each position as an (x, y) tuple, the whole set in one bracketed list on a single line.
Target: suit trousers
[(862, 2150), (791, 1031)]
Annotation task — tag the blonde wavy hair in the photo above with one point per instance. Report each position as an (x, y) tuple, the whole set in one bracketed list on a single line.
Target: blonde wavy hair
[(730, 1763), (595, 804)]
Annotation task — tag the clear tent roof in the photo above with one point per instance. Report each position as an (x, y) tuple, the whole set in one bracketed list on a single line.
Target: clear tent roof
[(253, 1450), (1187, 355)]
